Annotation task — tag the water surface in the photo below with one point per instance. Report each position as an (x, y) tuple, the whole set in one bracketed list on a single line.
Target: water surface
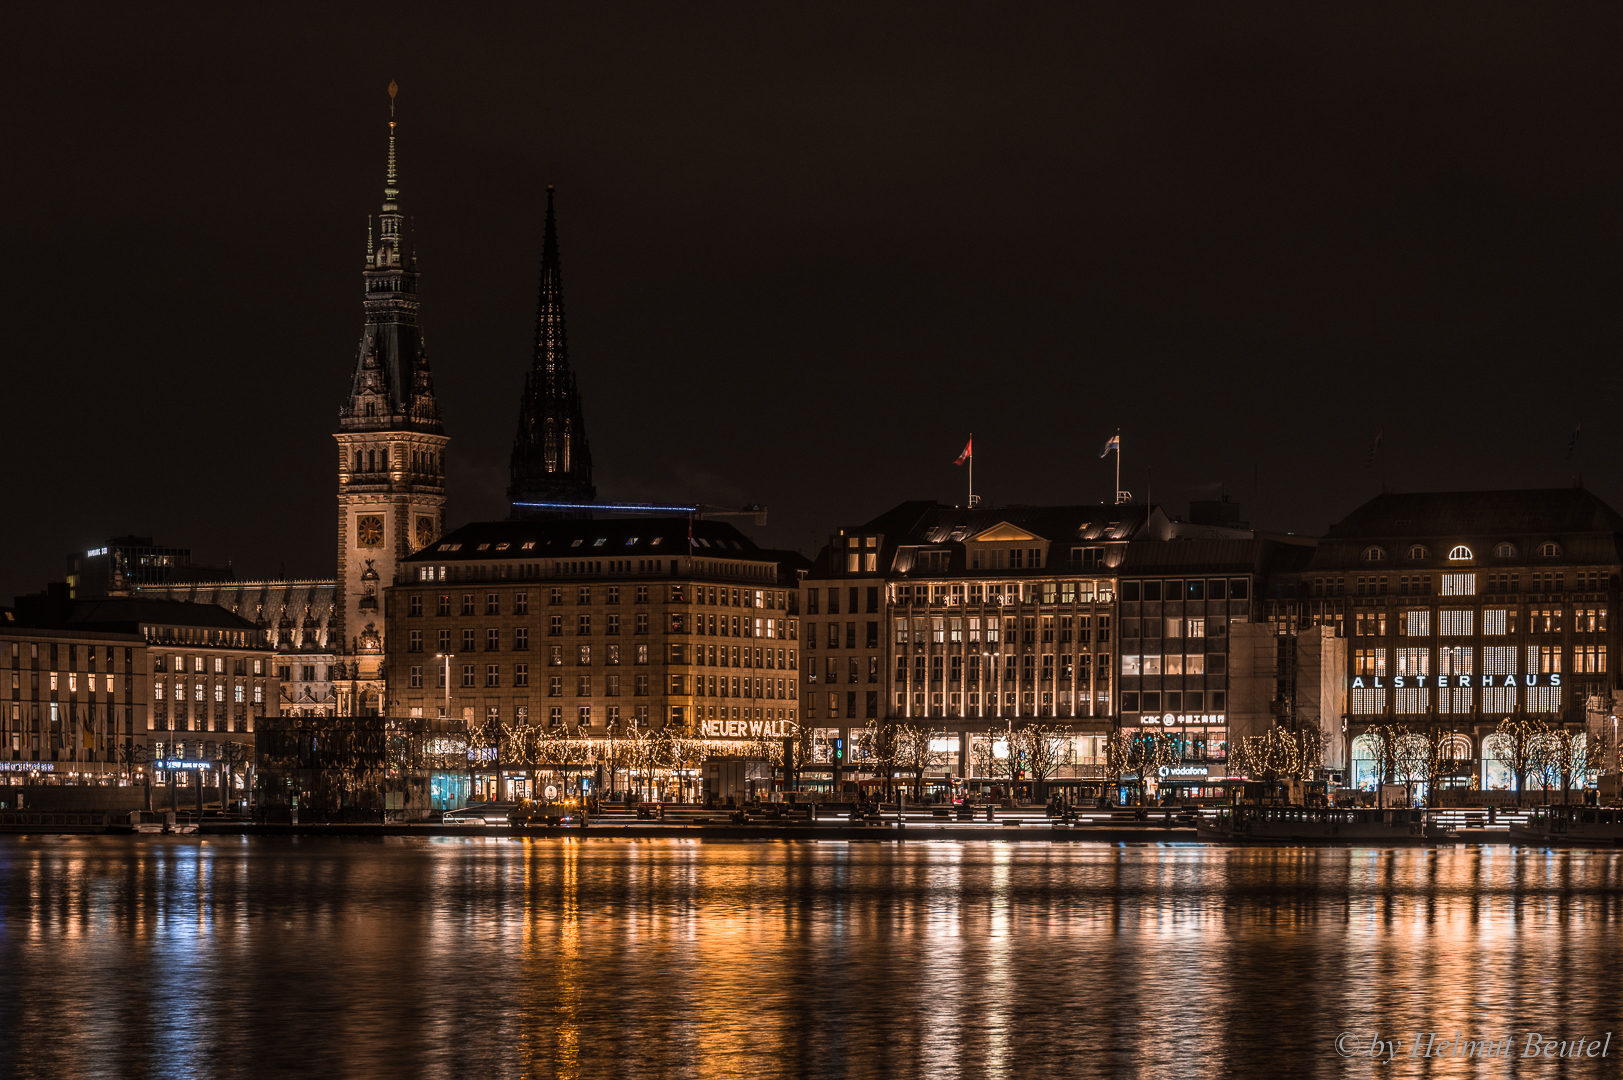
[(226, 956)]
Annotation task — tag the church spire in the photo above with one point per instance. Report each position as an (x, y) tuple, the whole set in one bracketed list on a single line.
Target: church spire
[(391, 389), (552, 460)]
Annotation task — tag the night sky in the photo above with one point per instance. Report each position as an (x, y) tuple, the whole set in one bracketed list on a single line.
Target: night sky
[(807, 250)]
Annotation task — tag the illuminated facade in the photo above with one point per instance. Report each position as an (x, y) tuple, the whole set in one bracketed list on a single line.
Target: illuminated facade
[(391, 457), (112, 688), (968, 620), (587, 626), (1460, 609), (296, 617)]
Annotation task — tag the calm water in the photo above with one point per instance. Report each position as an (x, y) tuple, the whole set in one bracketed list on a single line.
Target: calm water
[(493, 958)]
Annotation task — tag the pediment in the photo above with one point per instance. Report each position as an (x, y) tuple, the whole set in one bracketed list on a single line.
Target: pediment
[(1002, 532)]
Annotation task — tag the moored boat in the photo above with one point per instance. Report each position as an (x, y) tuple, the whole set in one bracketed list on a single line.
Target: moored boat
[(1570, 825), (1322, 825)]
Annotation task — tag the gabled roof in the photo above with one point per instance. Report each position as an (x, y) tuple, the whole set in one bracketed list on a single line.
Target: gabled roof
[(1478, 513)]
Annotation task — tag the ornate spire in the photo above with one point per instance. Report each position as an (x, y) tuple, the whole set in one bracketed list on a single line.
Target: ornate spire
[(392, 388), (552, 460)]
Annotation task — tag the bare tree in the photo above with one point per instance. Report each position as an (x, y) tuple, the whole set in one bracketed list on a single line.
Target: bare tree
[(1042, 750), (1516, 743), (911, 750), (1142, 751)]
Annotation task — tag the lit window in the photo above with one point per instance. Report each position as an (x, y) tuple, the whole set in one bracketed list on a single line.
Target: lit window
[(1460, 553), (1459, 584)]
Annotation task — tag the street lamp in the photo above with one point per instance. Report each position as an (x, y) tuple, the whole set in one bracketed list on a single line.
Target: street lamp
[(446, 713)]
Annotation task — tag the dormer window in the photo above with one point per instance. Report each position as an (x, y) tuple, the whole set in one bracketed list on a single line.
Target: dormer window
[(1374, 554), (1419, 551), (1505, 551), (1549, 551), (1460, 553)]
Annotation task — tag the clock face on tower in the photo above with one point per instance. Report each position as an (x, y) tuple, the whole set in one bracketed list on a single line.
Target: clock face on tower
[(369, 531), (425, 531)]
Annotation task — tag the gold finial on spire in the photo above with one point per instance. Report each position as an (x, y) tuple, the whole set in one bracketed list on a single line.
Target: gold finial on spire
[(394, 88)]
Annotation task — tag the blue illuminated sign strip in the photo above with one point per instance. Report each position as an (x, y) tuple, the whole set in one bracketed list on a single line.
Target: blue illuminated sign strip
[(165, 766), (26, 766)]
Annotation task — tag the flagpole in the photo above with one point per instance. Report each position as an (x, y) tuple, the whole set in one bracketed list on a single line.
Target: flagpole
[(971, 469), (1118, 464)]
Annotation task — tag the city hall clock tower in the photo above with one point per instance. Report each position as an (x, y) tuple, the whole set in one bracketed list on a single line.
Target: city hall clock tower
[(391, 455)]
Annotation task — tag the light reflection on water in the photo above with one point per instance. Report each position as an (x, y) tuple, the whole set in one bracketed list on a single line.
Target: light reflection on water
[(491, 958)]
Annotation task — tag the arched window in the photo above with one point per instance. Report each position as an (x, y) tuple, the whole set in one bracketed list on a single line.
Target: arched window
[(1374, 554), (1549, 551), (1460, 553), (1419, 551), (357, 461), (371, 461), (1505, 551)]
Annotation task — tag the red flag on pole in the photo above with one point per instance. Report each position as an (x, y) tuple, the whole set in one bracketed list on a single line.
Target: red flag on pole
[(969, 451)]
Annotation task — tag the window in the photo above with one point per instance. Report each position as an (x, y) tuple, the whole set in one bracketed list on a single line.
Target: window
[(555, 597), (1456, 623), (467, 641), (1369, 662), (521, 674), (641, 656), (415, 641), (521, 603), (583, 625), (642, 623), (444, 606), (583, 656), (1459, 584), (555, 686), (467, 675), (493, 675), (416, 606), (445, 641), (1416, 623), (1505, 551), (493, 639), (1549, 551), (467, 603), (493, 604), (555, 626), (1414, 662), (613, 627), (583, 595), (1417, 552), (521, 639), (1377, 554), (642, 594), (583, 686), (1460, 553), (639, 685)]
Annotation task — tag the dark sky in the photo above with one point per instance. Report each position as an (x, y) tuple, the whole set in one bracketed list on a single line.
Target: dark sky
[(807, 250)]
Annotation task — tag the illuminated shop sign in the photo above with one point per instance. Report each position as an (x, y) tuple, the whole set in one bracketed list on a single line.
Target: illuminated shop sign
[(1184, 719), (1173, 772), (749, 729), (26, 766), (166, 766), (1464, 682), (93, 552)]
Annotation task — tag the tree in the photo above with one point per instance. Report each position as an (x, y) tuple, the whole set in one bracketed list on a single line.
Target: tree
[(871, 750), (911, 750), (1386, 743), (1042, 749), (1515, 742), (1271, 756), (1439, 752), (1142, 751)]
